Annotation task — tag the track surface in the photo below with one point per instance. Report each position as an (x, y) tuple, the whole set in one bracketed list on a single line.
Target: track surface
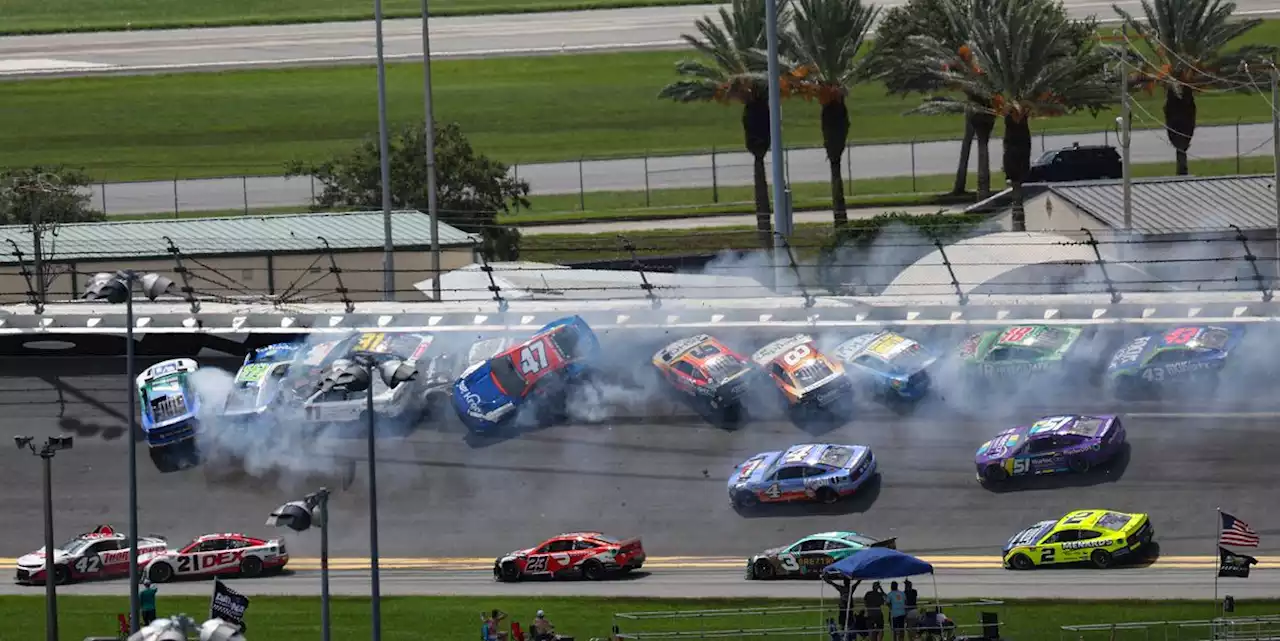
[(441, 496)]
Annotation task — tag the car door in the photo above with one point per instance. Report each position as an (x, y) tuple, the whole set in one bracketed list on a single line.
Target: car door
[(91, 561), (800, 558), (1050, 548), (582, 550), (1084, 545), (1040, 456), (560, 555), (787, 483), (684, 376), (202, 556)]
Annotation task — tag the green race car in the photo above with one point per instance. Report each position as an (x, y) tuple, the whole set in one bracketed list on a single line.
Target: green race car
[(1019, 351), (806, 558), (1099, 537)]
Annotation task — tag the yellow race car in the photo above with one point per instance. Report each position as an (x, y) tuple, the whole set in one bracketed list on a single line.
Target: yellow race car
[(1100, 537)]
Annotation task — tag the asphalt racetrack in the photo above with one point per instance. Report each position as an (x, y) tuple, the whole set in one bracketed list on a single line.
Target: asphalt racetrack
[(448, 505)]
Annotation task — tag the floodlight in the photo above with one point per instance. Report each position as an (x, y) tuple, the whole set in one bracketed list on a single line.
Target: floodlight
[(22, 441), (56, 443), (295, 515), (155, 286), (106, 286), (219, 630), (346, 374), (395, 372)]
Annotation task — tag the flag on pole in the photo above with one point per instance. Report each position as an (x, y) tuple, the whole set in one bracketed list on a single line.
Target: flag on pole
[(1231, 564), (1237, 533), (227, 604)]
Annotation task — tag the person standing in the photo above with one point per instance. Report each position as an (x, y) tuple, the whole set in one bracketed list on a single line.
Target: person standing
[(897, 611), (913, 611), (873, 600), (492, 625)]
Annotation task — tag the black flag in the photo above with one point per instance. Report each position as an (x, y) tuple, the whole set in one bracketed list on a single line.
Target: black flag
[(1231, 564), (228, 605)]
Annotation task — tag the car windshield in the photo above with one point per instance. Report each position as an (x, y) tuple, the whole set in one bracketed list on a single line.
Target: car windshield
[(1046, 157), (272, 355), (504, 371), (1085, 426), (1050, 339), (911, 359), (836, 456), (1114, 520), (720, 368), (74, 546), (1213, 338), (606, 539), (567, 340), (860, 539), (811, 373), (163, 387)]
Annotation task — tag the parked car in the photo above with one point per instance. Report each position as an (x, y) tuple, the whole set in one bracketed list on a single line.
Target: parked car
[(1077, 162)]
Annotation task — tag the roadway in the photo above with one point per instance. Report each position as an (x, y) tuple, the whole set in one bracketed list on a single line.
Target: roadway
[(676, 172), (633, 466), (353, 42)]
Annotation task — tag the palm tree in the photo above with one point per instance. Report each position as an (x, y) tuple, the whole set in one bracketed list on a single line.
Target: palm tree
[(1023, 59), (822, 63), (1188, 39), (735, 71)]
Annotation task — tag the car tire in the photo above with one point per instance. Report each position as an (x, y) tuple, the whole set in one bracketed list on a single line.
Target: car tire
[(61, 575), (509, 573), (163, 459), (763, 570), (994, 474), (1022, 562), (593, 571), (1078, 465), (1100, 559), (251, 567), (745, 500), (160, 573), (827, 496)]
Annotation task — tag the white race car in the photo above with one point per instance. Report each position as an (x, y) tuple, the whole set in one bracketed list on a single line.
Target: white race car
[(408, 400), (218, 555)]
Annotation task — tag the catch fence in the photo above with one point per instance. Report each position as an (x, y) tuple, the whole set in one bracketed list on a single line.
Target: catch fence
[(1257, 628)]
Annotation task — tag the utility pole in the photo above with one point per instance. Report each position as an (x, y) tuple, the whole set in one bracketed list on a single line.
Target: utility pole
[(1126, 123), (433, 207), (1275, 152), (384, 156), (781, 209)]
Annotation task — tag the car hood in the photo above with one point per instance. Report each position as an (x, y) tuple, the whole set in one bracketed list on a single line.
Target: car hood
[(753, 469), (1002, 445), (477, 395), (36, 559), (523, 552), (1030, 535)]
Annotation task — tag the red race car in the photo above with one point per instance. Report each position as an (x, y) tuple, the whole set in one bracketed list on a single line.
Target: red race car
[(589, 555), (100, 554), (219, 555)]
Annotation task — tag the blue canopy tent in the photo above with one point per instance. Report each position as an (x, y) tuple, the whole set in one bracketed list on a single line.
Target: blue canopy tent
[(875, 564)]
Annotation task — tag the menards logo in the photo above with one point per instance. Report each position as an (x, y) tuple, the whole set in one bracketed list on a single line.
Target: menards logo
[(1080, 545)]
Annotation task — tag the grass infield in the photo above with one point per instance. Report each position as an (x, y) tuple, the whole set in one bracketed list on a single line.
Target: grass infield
[(413, 618), (517, 110), (54, 16)]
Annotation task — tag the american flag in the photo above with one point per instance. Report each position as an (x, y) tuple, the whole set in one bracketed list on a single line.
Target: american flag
[(1237, 533)]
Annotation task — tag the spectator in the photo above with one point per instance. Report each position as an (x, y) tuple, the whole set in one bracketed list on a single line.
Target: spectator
[(542, 628), (842, 589), (936, 625), (492, 625), (897, 610), (147, 602), (860, 624), (873, 600), (913, 612)]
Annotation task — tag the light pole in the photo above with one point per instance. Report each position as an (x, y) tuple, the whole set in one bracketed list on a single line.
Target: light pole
[(46, 452), (433, 206), (356, 375), (300, 516), (384, 161), (118, 288), (781, 204)]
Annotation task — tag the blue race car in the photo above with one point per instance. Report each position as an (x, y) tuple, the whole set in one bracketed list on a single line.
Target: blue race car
[(822, 472), (888, 366), (1192, 354), (536, 372), (169, 407), (260, 380)]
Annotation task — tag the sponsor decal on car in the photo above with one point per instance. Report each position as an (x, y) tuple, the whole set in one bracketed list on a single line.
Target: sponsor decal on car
[(1130, 352), (1084, 545)]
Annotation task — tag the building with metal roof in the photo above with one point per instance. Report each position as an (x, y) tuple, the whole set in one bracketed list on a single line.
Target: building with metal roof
[(545, 281), (287, 255)]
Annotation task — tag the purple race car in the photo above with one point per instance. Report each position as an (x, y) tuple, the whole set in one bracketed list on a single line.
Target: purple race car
[(1052, 444)]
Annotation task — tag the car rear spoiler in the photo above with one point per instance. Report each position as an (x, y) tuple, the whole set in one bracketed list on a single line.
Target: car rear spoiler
[(891, 543), (632, 543)]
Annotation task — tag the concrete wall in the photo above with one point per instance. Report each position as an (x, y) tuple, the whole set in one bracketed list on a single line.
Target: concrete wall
[(306, 275)]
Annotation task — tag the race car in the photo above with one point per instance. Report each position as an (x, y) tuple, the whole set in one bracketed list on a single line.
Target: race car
[(809, 380), (259, 384), (169, 408), (589, 555), (483, 350), (1018, 352), (218, 555), (1099, 537), (888, 366), (536, 372), (807, 557), (100, 554), (821, 472), (708, 374), (1193, 354), (1051, 445), (407, 400)]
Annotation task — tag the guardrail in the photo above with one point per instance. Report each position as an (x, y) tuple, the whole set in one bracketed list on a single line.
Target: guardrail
[(1259, 628)]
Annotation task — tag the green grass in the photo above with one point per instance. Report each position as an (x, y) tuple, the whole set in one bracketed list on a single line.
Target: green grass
[(51, 16), (458, 618), (517, 110)]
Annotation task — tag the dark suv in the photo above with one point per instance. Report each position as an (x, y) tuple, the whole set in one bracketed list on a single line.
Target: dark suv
[(1093, 162)]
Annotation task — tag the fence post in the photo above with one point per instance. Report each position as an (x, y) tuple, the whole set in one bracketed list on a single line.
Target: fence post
[(913, 166), (646, 178), (313, 189), (1237, 146), (1042, 142), (104, 196), (244, 184), (715, 183), (1106, 137), (175, 195), (515, 173), (786, 165), (582, 187), (848, 164)]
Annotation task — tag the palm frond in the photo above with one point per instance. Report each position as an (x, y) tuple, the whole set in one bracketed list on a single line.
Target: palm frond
[(823, 49), (733, 68), (1189, 41)]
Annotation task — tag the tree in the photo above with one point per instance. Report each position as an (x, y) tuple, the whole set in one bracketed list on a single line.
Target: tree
[(1023, 59), (471, 188), (1188, 39), (42, 198), (823, 61), (893, 40), (734, 71)]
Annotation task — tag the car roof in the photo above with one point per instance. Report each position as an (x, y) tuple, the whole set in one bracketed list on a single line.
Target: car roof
[(809, 454), (1089, 520)]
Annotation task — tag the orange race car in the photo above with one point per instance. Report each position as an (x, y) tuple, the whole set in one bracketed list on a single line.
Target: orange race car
[(808, 379), (706, 372)]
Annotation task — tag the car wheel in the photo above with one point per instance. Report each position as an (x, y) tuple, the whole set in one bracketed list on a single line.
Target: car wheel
[(163, 459), (994, 474), (160, 573), (1078, 465), (251, 566), (1100, 559), (827, 496), (61, 575), (509, 573), (592, 571), (1022, 562), (762, 570), (745, 500)]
